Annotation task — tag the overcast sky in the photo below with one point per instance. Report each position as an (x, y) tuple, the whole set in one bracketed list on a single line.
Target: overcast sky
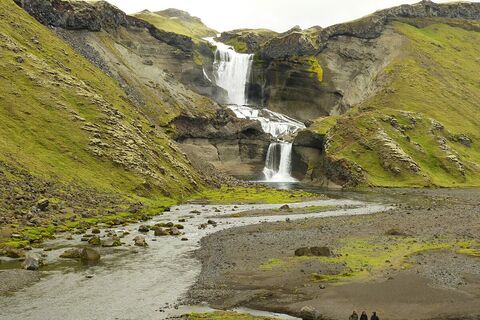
[(278, 15)]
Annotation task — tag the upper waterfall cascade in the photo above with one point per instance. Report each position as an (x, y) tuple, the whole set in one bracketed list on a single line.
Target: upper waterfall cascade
[(231, 72)]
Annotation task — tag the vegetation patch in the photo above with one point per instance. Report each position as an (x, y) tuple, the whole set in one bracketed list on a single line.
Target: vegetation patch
[(244, 195), (363, 257), (224, 315)]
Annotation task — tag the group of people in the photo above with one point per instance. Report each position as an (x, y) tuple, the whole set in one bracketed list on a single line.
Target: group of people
[(364, 316)]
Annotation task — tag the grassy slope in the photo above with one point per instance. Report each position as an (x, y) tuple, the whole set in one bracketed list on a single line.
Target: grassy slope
[(437, 77), (41, 100), (190, 28)]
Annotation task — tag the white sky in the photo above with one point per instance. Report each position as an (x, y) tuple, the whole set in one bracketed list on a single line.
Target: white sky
[(278, 15)]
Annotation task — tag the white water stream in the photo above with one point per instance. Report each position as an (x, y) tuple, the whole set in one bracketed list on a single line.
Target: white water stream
[(232, 70), (140, 283)]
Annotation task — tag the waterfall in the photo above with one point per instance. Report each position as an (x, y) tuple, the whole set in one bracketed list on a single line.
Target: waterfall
[(231, 71), (278, 162)]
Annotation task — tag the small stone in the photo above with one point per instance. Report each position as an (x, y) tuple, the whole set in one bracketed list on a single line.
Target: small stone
[(184, 239)]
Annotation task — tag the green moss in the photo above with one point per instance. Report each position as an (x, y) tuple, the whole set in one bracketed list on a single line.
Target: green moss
[(239, 195), (188, 27), (363, 257), (237, 44), (222, 315)]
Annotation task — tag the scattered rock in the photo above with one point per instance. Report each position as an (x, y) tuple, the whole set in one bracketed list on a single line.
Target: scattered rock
[(31, 262), (71, 254), (112, 242), (96, 231), (95, 241), (395, 232), (321, 251), (304, 251), (140, 241), (42, 205), (159, 232), (211, 222), (14, 253), (309, 313), (90, 256), (174, 231), (143, 228), (313, 251)]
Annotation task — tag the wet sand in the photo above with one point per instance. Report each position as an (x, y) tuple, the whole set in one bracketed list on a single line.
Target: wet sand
[(437, 284)]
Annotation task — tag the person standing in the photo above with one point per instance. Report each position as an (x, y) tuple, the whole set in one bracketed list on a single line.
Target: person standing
[(374, 316), (364, 316), (354, 316)]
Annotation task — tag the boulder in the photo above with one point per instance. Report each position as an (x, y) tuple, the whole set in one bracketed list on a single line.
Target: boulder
[(309, 313), (140, 241), (313, 251), (285, 207), (74, 253), (14, 253), (143, 228), (42, 205), (90, 256), (321, 251), (160, 232), (111, 242), (304, 251), (174, 231), (95, 241), (32, 262)]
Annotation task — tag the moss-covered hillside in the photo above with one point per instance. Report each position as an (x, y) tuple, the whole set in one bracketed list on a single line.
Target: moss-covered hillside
[(177, 21), (71, 136), (422, 128)]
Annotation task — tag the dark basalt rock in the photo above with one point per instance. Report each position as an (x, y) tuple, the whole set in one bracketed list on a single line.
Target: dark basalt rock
[(95, 16), (369, 27)]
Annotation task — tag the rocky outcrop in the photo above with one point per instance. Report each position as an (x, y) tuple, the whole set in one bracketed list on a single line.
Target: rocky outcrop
[(95, 16), (234, 146)]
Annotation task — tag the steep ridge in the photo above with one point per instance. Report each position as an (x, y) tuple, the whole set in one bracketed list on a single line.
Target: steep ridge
[(72, 143), (151, 71)]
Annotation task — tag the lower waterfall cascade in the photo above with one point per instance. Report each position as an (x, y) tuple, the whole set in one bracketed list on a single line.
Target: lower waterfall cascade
[(232, 70)]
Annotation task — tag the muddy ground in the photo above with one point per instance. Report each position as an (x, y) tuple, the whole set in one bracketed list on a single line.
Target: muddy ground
[(423, 261)]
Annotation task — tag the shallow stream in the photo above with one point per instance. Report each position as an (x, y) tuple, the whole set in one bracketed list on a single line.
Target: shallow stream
[(142, 283)]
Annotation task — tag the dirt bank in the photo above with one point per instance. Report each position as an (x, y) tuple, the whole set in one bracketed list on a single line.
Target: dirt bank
[(417, 261)]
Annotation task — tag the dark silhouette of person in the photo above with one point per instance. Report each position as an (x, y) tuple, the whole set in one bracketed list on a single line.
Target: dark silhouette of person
[(354, 316), (364, 316), (374, 316)]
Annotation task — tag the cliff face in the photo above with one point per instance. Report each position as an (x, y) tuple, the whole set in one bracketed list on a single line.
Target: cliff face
[(285, 80), (158, 71)]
